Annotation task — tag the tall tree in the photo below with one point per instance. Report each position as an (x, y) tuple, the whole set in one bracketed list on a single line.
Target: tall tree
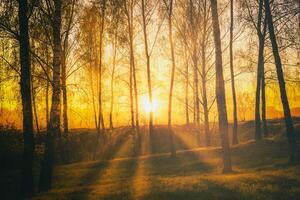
[(101, 45), (169, 7), (68, 24), (193, 19), (147, 55), (235, 119), (54, 124), (27, 169), (294, 148), (112, 79), (259, 71), (204, 72), (220, 89), (128, 8)]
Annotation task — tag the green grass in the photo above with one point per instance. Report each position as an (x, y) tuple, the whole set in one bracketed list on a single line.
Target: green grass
[(260, 172), (261, 169)]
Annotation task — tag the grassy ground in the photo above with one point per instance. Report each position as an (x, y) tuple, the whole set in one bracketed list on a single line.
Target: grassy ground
[(261, 170)]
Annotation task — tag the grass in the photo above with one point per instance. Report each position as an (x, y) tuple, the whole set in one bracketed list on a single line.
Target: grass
[(261, 171)]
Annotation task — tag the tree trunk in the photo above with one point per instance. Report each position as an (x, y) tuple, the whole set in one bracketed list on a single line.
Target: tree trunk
[(34, 108), (129, 16), (91, 62), (187, 117), (263, 103), (196, 92), (259, 73), (204, 77), (112, 82), (131, 97), (136, 95), (151, 130), (173, 150), (47, 90), (28, 151), (64, 91), (100, 112), (235, 120), (294, 149), (220, 89), (54, 126), (204, 93)]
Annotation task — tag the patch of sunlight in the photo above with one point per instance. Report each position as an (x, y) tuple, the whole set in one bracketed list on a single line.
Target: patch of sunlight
[(140, 181)]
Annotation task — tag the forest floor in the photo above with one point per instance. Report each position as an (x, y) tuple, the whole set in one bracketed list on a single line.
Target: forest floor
[(261, 171)]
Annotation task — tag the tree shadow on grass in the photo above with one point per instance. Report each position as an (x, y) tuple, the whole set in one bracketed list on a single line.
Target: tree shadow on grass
[(107, 179)]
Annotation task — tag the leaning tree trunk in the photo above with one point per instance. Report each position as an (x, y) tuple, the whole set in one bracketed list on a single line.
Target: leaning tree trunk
[(294, 149), (54, 126), (220, 89), (27, 172), (173, 150), (235, 119)]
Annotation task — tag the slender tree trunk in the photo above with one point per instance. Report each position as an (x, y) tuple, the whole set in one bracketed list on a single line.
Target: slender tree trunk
[(27, 172), (129, 15), (47, 90), (173, 150), (100, 112), (196, 92), (91, 62), (151, 130), (68, 18), (204, 93), (64, 91), (187, 117), (204, 77), (259, 73), (33, 92), (235, 120), (294, 149), (220, 89), (112, 82), (263, 103), (93, 95), (131, 98), (34, 108), (263, 84), (136, 95), (54, 125), (93, 99)]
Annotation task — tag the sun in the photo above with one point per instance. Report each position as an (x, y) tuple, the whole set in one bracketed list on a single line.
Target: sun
[(148, 107)]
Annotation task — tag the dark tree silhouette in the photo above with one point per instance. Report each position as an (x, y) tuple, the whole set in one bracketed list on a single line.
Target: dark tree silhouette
[(294, 148), (27, 171)]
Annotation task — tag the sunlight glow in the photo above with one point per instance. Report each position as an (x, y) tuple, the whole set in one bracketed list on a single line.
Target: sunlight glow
[(148, 107)]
